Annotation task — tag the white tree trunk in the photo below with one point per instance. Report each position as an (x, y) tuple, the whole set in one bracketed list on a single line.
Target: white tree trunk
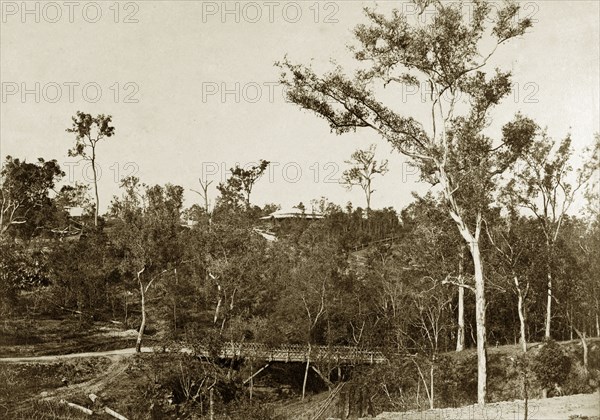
[(97, 209), (480, 321), (582, 337), (428, 388), (138, 343), (548, 306), (460, 333), (472, 240), (585, 352), (218, 307), (431, 403), (522, 316)]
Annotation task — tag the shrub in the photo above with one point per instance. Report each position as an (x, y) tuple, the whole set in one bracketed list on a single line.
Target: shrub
[(458, 380), (551, 365)]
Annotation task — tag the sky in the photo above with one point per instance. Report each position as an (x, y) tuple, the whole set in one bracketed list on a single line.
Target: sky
[(192, 89)]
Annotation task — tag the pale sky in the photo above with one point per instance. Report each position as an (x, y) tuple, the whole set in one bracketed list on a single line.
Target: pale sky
[(191, 89)]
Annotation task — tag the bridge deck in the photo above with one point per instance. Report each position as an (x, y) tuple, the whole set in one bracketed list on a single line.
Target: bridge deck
[(298, 353)]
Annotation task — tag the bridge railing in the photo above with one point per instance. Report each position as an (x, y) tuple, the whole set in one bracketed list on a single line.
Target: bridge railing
[(300, 353)]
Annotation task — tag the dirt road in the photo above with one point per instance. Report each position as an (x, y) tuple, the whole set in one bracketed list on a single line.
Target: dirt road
[(54, 358)]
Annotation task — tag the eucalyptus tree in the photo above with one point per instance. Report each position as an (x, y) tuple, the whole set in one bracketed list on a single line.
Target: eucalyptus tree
[(449, 55), (24, 194), (383, 273), (234, 256), (581, 294), (89, 131), (204, 184), (363, 168), (591, 243), (430, 244), (542, 182), (147, 234), (592, 190), (430, 319), (574, 263), (514, 239), (239, 185)]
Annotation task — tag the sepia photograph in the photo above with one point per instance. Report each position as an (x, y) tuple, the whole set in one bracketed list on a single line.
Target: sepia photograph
[(300, 209)]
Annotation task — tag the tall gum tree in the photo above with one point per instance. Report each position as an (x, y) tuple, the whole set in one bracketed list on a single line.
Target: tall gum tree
[(89, 131), (592, 239), (363, 168), (448, 54), (515, 241), (238, 186), (542, 182)]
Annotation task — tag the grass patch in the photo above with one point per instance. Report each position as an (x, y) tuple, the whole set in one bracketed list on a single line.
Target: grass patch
[(22, 381), (25, 337), (48, 410)]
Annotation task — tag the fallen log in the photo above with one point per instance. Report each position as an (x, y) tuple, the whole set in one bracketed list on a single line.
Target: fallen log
[(78, 407), (114, 414)]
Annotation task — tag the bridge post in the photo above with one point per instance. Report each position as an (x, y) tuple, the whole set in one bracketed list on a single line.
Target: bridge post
[(251, 380)]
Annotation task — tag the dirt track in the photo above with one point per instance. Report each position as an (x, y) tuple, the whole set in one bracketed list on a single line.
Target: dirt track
[(118, 365), (54, 358), (558, 408)]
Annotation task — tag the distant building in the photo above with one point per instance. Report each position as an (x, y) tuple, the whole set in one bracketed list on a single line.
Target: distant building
[(292, 214), (74, 211)]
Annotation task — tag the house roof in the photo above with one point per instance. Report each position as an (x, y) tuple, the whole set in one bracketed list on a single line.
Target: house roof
[(293, 213), (75, 211)]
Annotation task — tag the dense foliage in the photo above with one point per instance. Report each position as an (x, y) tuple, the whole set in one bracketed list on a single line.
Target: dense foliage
[(551, 365), (409, 282)]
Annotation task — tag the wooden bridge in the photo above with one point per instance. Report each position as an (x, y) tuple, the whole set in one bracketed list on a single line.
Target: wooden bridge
[(341, 355)]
